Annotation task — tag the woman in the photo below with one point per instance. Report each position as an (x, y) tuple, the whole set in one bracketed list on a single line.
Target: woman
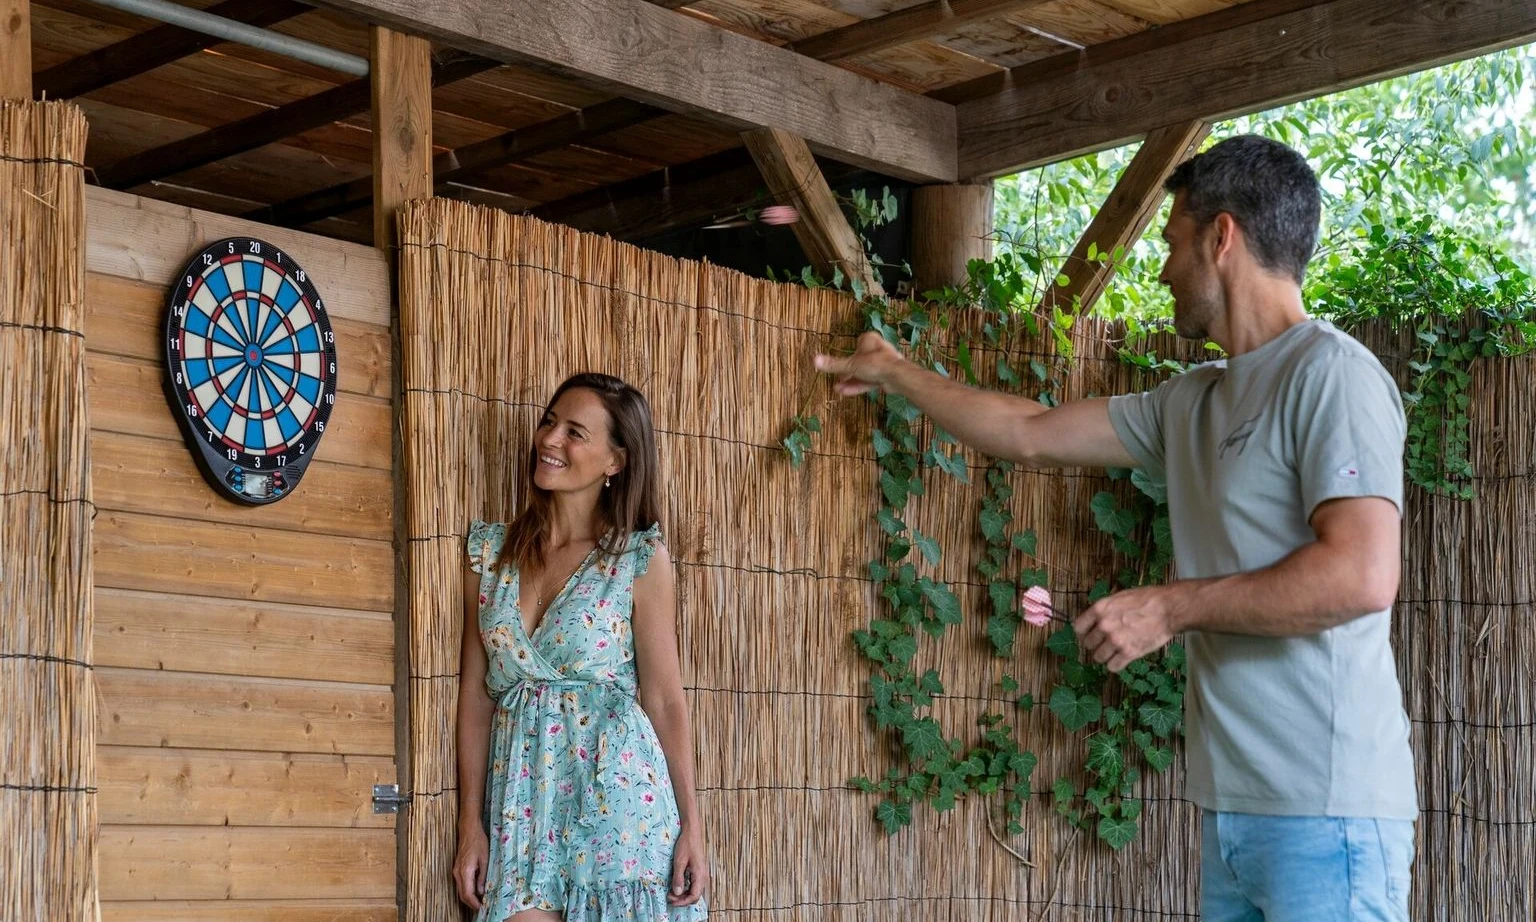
[(573, 729)]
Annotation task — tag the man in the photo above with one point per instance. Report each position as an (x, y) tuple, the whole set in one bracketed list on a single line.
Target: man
[(1284, 473)]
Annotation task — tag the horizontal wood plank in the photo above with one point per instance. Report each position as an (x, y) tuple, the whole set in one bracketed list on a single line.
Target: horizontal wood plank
[(686, 65), (128, 396), (374, 910), (205, 787), (138, 238), (155, 630), (1105, 97), (136, 474), (190, 863), (160, 554), (193, 711), (126, 317)]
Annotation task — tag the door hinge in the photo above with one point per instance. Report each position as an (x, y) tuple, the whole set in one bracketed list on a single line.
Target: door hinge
[(388, 799)]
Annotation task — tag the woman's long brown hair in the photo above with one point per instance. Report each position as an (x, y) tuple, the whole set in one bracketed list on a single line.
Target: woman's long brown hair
[(626, 506)]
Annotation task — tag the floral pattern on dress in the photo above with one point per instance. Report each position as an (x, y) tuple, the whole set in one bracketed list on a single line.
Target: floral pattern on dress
[(579, 807)]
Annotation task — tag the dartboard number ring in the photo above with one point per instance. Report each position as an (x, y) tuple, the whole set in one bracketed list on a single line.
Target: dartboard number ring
[(250, 358)]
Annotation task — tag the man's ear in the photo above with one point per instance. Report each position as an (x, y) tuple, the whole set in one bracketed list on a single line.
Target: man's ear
[(1226, 231)]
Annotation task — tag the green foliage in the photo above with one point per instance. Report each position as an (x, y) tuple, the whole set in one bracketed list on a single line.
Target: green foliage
[(1463, 300), (798, 442)]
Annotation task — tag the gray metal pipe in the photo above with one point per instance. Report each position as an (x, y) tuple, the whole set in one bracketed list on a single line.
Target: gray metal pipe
[(229, 30)]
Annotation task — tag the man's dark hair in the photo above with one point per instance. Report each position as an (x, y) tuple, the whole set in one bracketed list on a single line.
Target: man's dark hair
[(1267, 188)]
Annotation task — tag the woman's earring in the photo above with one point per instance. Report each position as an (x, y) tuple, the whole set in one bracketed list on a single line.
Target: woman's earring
[(607, 482)]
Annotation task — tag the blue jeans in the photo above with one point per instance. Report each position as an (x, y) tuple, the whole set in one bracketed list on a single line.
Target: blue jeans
[(1304, 868)]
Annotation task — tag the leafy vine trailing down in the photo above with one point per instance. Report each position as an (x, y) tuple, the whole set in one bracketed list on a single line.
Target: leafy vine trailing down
[(1128, 719)]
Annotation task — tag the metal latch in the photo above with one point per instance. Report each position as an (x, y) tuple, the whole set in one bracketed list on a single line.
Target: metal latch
[(388, 799)]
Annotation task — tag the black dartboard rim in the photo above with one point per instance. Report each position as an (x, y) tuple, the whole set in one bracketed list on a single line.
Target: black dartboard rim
[(263, 361)]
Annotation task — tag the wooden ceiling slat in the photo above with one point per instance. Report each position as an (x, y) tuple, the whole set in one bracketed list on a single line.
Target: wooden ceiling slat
[(264, 128), (149, 50)]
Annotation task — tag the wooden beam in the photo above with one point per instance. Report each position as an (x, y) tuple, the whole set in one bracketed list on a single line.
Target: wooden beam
[(265, 128), (462, 163), (401, 74), (951, 225), (911, 24), (1298, 52), (684, 65), (155, 48), (1125, 214), (674, 197), (15, 49), (823, 231)]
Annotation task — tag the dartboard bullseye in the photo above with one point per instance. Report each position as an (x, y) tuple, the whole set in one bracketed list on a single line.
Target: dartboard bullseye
[(251, 363)]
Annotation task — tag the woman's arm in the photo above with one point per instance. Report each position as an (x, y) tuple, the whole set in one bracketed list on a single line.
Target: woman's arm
[(661, 695), (474, 746)]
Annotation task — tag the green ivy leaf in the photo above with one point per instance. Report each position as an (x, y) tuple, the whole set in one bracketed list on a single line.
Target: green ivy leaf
[(881, 442), (902, 649), (1158, 717), (1104, 756), (928, 546), (1073, 710), (1026, 702), (1110, 517), (1063, 642), (1024, 542), (1001, 629), (1158, 757), (993, 522), (1008, 684), (923, 738), (894, 489), (946, 607), (893, 816), (889, 522), (1117, 832)]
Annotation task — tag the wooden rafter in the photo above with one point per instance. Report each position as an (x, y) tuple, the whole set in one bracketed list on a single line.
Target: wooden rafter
[(15, 49), (154, 48), (823, 230), (1278, 51), (911, 24), (674, 197), (464, 162), (684, 65), (1125, 214), (264, 128)]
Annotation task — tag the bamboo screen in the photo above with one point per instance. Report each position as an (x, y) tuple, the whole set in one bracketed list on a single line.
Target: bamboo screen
[(47, 705), (496, 310)]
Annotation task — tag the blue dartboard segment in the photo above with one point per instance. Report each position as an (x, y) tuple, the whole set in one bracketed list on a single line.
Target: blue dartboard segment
[(251, 362)]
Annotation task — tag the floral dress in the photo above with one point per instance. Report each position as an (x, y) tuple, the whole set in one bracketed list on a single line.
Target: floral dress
[(579, 807)]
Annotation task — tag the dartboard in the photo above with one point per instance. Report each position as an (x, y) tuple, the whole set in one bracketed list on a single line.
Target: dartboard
[(251, 362)]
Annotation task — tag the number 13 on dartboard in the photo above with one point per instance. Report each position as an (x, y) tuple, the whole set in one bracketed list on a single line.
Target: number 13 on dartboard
[(250, 367)]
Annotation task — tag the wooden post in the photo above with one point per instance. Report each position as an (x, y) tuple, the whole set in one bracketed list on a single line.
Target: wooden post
[(15, 49), (401, 71), (951, 225), (1126, 213), (794, 179)]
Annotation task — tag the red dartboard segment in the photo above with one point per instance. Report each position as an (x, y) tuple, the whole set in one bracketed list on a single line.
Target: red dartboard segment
[(251, 365)]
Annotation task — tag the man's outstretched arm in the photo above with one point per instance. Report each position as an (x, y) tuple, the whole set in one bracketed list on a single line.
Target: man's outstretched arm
[(1075, 434)]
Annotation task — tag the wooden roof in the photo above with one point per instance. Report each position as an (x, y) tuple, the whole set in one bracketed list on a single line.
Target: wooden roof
[(241, 131)]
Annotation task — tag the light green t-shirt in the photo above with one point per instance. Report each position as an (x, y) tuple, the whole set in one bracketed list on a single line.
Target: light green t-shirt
[(1299, 726)]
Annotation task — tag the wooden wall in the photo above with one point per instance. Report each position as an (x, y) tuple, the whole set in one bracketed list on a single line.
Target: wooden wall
[(244, 655)]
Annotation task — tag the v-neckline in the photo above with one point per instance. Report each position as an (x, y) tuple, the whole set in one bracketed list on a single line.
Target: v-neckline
[(555, 600)]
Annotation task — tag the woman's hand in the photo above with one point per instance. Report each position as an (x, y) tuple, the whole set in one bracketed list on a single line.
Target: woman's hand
[(690, 870), (469, 865)]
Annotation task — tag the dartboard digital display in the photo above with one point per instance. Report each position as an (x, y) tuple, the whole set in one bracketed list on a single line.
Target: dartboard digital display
[(251, 363)]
